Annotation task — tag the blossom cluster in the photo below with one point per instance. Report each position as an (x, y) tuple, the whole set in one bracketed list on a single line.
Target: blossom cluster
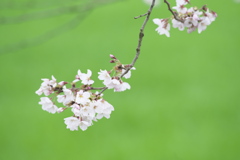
[(87, 106), (191, 18)]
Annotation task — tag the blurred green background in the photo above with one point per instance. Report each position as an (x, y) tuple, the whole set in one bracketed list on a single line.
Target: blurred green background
[(184, 103)]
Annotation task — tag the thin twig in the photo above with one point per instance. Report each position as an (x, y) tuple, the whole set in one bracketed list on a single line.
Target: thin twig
[(173, 13), (140, 16), (104, 89), (96, 88), (141, 35), (85, 11)]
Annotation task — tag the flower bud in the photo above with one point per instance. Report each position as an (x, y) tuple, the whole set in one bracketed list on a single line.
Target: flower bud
[(60, 110), (62, 83), (112, 61), (112, 56)]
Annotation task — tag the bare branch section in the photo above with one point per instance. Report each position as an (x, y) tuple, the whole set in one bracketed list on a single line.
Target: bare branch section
[(42, 14), (51, 12), (173, 13), (141, 35), (141, 16), (80, 11), (33, 4)]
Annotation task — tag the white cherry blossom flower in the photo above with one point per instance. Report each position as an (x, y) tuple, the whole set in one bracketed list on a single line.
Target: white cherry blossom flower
[(211, 15), (191, 29), (77, 77), (182, 2), (180, 8), (72, 123), (82, 97), (203, 24), (61, 109), (86, 78), (163, 26), (128, 75), (47, 86), (48, 105), (122, 87), (67, 97), (104, 109), (177, 24), (189, 22), (112, 84), (84, 123), (104, 75), (76, 109)]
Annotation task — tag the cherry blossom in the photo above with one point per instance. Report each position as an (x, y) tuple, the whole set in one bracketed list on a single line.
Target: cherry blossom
[(104, 75), (67, 97), (82, 97), (84, 123), (191, 18), (47, 86), (128, 75), (72, 123), (48, 105), (177, 24), (203, 24), (163, 26), (86, 78), (103, 109), (180, 8)]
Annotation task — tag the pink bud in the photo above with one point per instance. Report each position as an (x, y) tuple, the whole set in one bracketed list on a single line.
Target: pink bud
[(112, 56), (60, 110), (62, 83)]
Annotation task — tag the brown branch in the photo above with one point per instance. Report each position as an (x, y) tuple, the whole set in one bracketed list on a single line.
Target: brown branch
[(104, 89), (96, 88), (85, 11), (141, 35), (140, 16), (173, 13), (138, 49)]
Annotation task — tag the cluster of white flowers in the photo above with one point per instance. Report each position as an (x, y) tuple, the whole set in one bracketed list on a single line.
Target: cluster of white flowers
[(85, 105), (191, 18)]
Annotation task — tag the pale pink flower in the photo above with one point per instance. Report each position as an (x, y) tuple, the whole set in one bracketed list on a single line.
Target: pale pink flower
[(104, 109), (128, 75), (203, 24), (163, 26), (67, 97), (180, 8), (48, 105), (104, 75), (86, 78), (47, 86), (84, 123), (82, 97), (182, 2), (72, 123), (177, 24)]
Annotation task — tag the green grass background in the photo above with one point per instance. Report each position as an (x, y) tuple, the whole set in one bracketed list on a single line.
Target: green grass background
[(185, 98)]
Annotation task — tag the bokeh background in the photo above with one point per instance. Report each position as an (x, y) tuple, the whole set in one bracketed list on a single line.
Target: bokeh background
[(184, 103)]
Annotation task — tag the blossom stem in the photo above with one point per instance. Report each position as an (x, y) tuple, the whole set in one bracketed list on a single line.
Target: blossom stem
[(96, 88), (141, 35), (173, 13), (140, 16), (138, 49)]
